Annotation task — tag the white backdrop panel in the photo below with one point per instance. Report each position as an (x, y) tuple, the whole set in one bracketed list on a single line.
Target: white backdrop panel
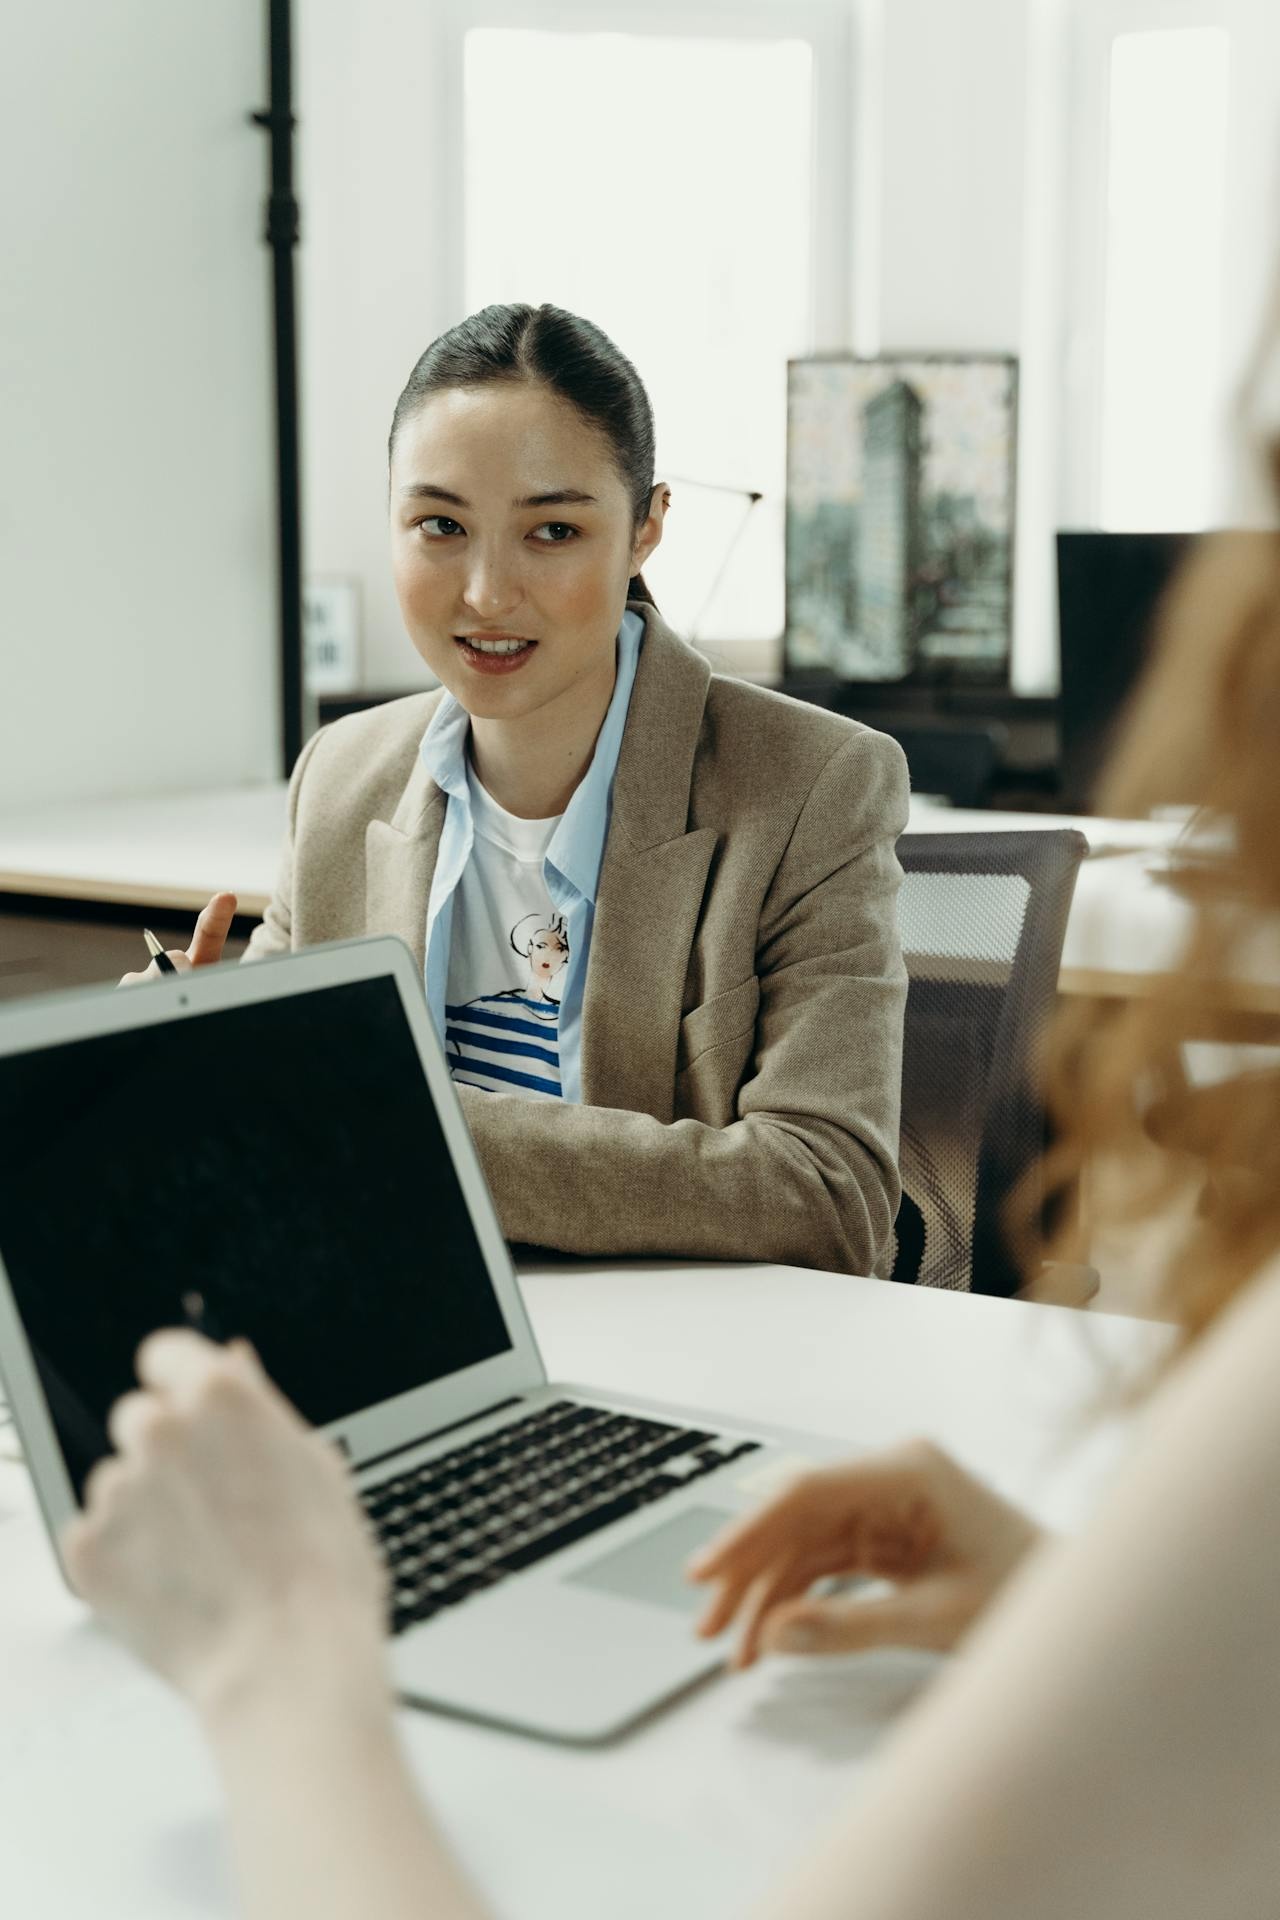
[(137, 489)]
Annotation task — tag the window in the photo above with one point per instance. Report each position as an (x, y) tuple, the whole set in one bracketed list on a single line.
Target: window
[(659, 179), (1161, 337)]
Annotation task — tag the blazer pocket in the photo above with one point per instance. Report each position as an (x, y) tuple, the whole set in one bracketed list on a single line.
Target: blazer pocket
[(730, 1016)]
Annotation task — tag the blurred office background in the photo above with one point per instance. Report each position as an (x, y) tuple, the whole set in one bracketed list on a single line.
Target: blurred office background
[(723, 185)]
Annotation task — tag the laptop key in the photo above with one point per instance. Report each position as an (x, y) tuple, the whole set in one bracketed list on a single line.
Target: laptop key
[(470, 1517), (564, 1535)]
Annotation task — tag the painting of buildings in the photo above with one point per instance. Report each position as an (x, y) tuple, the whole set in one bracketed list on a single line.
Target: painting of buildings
[(900, 492)]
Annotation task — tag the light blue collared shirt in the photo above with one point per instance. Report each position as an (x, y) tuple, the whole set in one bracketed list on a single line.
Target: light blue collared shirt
[(571, 868)]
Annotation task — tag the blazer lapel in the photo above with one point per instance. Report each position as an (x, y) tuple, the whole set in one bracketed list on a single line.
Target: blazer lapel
[(400, 859), (652, 880)]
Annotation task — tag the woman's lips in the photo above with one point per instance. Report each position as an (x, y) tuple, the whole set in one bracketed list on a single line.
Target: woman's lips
[(481, 662)]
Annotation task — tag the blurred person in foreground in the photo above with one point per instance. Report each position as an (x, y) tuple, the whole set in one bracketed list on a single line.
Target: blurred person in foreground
[(1108, 1739)]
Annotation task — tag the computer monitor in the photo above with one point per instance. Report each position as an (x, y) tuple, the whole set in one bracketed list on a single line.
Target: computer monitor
[(1109, 586)]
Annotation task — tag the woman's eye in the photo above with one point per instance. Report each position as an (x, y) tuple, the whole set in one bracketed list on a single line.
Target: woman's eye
[(439, 525), (554, 533)]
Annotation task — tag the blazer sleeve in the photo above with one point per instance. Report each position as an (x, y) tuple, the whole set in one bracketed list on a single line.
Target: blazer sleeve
[(806, 1174), (274, 933)]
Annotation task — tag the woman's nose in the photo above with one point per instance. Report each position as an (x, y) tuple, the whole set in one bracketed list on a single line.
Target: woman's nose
[(491, 589)]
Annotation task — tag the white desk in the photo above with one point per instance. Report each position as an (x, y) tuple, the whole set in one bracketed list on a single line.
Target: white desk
[(175, 850), (107, 1803), (170, 850), (1103, 835), (1126, 926)]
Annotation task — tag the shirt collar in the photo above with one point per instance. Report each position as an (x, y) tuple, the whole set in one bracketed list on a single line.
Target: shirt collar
[(577, 846)]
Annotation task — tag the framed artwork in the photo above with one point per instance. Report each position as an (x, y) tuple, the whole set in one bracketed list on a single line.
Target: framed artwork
[(900, 515)]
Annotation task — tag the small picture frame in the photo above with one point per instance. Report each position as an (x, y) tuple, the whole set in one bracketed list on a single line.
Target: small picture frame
[(331, 633)]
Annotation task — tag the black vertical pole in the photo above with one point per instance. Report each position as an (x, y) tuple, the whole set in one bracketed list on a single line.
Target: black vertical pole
[(281, 235)]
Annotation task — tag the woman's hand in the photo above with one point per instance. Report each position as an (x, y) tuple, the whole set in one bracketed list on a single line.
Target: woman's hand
[(910, 1515), (207, 942), (221, 1541)]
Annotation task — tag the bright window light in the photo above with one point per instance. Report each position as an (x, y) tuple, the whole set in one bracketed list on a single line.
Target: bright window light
[(661, 187), (1161, 387)]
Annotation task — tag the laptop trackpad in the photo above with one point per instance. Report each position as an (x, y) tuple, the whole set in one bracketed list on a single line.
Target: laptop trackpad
[(652, 1567)]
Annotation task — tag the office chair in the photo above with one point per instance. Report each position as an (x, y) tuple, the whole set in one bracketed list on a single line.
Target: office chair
[(982, 917)]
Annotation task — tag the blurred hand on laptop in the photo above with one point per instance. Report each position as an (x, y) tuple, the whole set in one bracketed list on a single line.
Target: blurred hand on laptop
[(207, 942), (221, 1539), (911, 1516)]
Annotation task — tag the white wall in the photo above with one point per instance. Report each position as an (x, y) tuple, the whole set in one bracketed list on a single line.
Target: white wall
[(1241, 493), (138, 647), (1252, 266), (952, 181), (366, 87), (967, 162), (966, 223), (942, 195)]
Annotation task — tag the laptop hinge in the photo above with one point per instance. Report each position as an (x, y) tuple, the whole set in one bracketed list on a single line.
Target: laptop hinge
[(376, 1459)]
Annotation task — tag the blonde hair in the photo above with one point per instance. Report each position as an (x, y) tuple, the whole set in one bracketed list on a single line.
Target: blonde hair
[(1205, 725)]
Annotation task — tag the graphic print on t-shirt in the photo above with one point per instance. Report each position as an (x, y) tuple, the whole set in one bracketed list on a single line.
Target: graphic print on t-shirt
[(508, 1041)]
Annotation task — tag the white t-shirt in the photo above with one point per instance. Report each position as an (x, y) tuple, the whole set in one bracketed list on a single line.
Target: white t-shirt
[(508, 958)]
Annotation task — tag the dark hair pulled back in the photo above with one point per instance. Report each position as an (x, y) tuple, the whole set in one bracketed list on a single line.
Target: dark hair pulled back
[(567, 354)]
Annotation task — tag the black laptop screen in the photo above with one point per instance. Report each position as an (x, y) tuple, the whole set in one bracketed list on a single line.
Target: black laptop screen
[(276, 1171)]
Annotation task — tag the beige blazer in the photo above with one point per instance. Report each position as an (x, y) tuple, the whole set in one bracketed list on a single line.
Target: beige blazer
[(742, 1011)]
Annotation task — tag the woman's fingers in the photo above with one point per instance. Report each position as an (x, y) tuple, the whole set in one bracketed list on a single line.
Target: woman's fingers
[(133, 1420), (735, 1563), (912, 1516), (180, 962), (760, 1573), (928, 1614), (734, 1588), (177, 1362), (780, 1584), (748, 1543), (211, 931)]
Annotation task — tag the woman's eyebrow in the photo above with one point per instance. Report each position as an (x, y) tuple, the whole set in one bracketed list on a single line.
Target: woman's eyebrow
[(561, 497), (426, 490)]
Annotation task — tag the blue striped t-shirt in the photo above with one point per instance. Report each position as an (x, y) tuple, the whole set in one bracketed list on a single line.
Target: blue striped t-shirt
[(508, 958)]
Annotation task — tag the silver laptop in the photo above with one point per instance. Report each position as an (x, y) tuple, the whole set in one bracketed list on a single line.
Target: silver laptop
[(277, 1151)]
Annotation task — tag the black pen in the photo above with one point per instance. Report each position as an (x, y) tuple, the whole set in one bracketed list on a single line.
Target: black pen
[(157, 952)]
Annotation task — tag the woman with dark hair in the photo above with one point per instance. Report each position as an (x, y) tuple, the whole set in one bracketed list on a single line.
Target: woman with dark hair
[(721, 1075)]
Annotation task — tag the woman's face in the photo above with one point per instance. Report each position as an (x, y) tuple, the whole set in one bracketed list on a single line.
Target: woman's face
[(510, 523), (547, 954)]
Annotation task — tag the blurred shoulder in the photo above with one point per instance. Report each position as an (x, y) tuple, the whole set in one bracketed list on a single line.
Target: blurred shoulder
[(1226, 1379)]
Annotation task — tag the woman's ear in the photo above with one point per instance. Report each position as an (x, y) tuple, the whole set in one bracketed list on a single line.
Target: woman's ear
[(649, 532)]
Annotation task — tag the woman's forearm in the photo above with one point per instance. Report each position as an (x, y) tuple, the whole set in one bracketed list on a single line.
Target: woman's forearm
[(325, 1820), (803, 1195)]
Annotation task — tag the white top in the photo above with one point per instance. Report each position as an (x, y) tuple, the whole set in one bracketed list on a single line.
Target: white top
[(508, 958)]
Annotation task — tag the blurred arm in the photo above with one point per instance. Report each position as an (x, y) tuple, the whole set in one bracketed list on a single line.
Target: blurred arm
[(325, 1820)]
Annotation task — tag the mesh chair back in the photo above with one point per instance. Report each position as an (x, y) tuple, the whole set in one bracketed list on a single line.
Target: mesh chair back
[(982, 917)]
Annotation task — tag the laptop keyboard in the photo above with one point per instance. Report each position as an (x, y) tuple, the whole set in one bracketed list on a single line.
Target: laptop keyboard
[(468, 1518)]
